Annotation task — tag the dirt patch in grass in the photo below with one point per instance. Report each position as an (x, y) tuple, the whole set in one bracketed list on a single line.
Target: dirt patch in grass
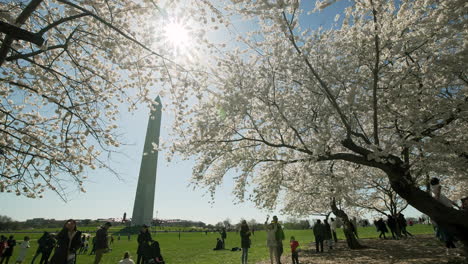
[(421, 249)]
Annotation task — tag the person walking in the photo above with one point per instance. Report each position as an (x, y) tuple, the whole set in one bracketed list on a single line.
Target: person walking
[(8, 252), (333, 226), (86, 245), (381, 227), (68, 242), (245, 241), (83, 240), (126, 259), (319, 234), (272, 244), (47, 249), (40, 248), (144, 238), (24, 246), (102, 243), (392, 225), (93, 249), (328, 235), (401, 220), (294, 250)]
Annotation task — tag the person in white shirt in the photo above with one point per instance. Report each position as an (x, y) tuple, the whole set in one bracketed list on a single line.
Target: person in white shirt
[(272, 244), (24, 246), (333, 226), (436, 190), (126, 259)]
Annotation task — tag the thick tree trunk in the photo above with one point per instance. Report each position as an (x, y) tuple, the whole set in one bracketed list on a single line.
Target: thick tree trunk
[(351, 239), (456, 221)]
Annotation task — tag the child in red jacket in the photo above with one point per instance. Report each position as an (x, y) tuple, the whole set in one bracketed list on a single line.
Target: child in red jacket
[(294, 250)]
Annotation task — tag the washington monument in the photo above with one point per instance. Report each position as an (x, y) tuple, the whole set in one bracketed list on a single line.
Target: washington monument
[(144, 198)]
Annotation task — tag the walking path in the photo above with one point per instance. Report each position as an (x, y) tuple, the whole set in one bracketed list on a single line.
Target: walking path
[(422, 249)]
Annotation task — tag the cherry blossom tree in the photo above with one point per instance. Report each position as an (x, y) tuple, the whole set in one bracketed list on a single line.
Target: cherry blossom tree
[(67, 68), (386, 89)]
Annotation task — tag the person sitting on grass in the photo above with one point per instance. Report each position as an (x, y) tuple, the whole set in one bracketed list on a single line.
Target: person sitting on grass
[(219, 244), (126, 259)]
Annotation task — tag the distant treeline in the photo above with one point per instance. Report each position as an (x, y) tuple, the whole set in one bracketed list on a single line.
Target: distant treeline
[(7, 223)]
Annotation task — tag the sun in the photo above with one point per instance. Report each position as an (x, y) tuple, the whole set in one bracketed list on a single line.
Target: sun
[(177, 35)]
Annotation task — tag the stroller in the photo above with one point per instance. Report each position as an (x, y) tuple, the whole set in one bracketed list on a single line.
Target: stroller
[(153, 254)]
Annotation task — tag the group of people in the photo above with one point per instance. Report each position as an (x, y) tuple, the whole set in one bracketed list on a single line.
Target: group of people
[(325, 232), (445, 232), (7, 246), (69, 242), (397, 225)]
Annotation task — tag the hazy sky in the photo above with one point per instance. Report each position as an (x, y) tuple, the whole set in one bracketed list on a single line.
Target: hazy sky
[(108, 196)]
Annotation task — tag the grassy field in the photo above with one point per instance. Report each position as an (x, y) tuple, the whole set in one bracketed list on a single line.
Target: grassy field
[(196, 247)]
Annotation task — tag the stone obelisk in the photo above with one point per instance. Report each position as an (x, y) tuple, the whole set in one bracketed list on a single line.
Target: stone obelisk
[(144, 198)]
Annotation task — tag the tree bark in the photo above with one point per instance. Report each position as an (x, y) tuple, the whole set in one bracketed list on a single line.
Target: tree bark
[(456, 221), (351, 239), (19, 33)]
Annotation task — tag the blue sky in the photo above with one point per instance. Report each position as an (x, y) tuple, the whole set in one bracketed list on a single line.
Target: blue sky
[(108, 196)]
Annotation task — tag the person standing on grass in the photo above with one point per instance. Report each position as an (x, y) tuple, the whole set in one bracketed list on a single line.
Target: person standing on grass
[(8, 252), (328, 235), (102, 244), (319, 234), (401, 220), (245, 241), (68, 243), (40, 248), (24, 246), (223, 237), (381, 227), (93, 248), (294, 250), (333, 226), (49, 245), (272, 244), (279, 236), (144, 238), (3, 244), (392, 224)]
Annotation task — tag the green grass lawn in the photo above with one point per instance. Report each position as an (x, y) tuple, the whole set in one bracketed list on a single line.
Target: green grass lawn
[(196, 247)]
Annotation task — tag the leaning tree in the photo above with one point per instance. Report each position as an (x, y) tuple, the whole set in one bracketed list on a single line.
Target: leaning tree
[(386, 89)]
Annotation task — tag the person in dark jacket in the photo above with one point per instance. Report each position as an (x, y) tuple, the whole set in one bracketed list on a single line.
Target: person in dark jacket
[(49, 245), (11, 243), (392, 224), (401, 220), (245, 241), (319, 233), (223, 237), (40, 247), (68, 242), (219, 244), (328, 235), (381, 227), (144, 239), (102, 245)]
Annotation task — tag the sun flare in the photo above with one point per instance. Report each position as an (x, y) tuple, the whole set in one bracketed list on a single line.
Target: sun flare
[(177, 35)]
